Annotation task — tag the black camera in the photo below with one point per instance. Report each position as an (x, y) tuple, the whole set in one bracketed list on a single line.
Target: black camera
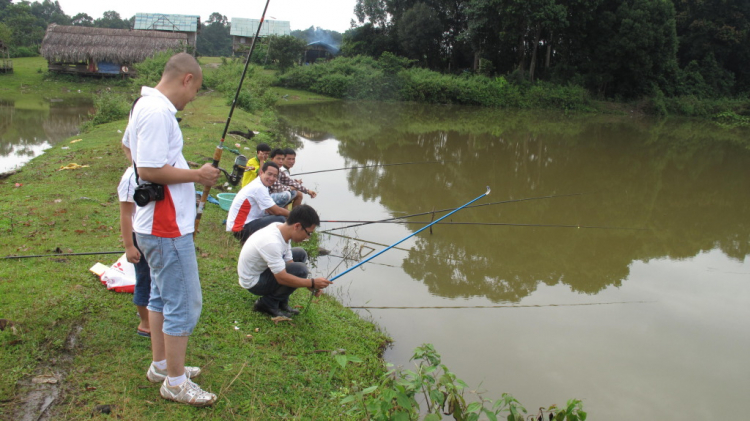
[(148, 192)]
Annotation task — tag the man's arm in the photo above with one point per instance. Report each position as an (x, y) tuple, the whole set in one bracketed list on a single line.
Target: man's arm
[(127, 153), (126, 229), (276, 210), (287, 181), (206, 175), (290, 280)]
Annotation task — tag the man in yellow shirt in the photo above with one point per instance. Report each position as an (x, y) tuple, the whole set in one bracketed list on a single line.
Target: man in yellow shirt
[(253, 165)]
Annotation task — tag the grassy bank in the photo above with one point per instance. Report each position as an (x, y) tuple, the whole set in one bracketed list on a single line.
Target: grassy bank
[(69, 329)]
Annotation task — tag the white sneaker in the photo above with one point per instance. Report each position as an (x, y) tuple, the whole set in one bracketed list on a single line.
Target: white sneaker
[(155, 375), (187, 392)]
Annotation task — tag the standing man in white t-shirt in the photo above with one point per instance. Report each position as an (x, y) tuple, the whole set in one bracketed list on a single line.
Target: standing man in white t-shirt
[(253, 208), (164, 228), (268, 266)]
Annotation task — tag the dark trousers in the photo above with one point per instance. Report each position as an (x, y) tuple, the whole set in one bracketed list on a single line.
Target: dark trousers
[(257, 224), (271, 292)]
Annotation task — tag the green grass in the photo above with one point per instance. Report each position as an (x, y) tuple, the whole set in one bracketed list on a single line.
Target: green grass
[(275, 374), (30, 76)]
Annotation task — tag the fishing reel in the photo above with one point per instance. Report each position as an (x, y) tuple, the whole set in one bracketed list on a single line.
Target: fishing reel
[(238, 170)]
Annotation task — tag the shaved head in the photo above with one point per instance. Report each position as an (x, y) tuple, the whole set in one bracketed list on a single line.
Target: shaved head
[(181, 80), (181, 64)]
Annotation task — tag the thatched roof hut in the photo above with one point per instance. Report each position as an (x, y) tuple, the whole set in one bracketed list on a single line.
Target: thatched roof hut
[(75, 44)]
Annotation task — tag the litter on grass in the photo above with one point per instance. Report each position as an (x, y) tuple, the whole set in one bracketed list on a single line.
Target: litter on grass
[(120, 277)]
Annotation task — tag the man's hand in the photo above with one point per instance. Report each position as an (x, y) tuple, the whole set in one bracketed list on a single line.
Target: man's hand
[(208, 175), (312, 193), (320, 283), (132, 254)]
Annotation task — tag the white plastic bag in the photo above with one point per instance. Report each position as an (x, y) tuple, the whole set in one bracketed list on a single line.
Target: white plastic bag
[(119, 277)]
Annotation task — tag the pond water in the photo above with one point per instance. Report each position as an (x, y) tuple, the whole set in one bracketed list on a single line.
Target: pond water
[(33, 124), (628, 289)]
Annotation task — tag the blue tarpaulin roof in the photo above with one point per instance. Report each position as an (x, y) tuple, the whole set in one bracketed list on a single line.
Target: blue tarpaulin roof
[(162, 22), (242, 27)]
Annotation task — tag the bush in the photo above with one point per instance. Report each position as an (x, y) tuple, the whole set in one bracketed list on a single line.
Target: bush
[(109, 107), (149, 71), (17, 52)]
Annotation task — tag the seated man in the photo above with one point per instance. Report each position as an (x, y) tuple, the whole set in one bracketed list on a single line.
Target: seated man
[(253, 208), (269, 267), (254, 164), (281, 194), (285, 181)]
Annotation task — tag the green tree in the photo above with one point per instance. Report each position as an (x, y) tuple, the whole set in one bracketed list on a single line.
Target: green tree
[(111, 19), (635, 50), (285, 50), (214, 39), (420, 34), (716, 31), (26, 29), (49, 12), (82, 19)]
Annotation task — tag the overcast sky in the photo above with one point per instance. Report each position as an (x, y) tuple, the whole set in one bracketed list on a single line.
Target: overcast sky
[(333, 14)]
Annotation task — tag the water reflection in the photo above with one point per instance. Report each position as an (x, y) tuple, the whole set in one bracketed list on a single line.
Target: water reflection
[(30, 125), (648, 318), (684, 182)]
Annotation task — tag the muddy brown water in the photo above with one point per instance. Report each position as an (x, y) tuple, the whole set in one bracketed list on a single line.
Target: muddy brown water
[(638, 305), (33, 124)]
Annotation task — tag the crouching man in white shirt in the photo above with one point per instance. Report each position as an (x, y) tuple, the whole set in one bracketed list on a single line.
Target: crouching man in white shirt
[(269, 267)]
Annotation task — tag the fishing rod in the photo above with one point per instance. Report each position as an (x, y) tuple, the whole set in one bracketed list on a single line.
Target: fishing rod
[(408, 236), (373, 165), (446, 210), (499, 306), (220, 147), (64, 254), (509, 224)]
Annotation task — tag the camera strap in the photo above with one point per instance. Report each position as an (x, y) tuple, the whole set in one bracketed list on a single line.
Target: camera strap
[(135, 168)]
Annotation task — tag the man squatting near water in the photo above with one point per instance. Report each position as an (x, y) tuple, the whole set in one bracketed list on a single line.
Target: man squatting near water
[(270, 267), (164, 228), (253, 208), (284, 185)]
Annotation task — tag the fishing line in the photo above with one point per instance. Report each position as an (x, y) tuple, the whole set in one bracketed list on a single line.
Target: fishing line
[(373, 165), (409, 236), (450, 209), (513, 306), (496, 224)]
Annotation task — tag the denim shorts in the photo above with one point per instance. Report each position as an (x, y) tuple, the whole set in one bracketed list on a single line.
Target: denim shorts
[(283, 198), (175, 287), (142, 279)]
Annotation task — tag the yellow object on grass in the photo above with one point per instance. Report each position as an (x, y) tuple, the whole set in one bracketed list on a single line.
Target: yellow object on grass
[(72, 166)]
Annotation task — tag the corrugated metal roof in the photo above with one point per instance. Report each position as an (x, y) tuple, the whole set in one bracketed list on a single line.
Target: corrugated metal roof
[(162, 22), (242, 27)]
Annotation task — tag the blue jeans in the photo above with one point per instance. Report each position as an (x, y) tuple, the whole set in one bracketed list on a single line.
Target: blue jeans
[(257, 224), (271, 292), (175, 287), (142, 279)]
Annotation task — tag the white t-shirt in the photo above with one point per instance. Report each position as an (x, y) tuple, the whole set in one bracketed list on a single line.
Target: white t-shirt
[(264, 249), (250, 204), (127, 186), (155, 140)]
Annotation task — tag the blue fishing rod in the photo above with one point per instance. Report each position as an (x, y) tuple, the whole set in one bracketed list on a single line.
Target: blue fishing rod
[(407, 237)]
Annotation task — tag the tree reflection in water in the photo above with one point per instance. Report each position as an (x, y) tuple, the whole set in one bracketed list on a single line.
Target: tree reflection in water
[(685, 181)]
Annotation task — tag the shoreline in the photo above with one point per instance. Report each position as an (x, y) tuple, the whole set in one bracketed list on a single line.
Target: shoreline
[(73, 350)]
